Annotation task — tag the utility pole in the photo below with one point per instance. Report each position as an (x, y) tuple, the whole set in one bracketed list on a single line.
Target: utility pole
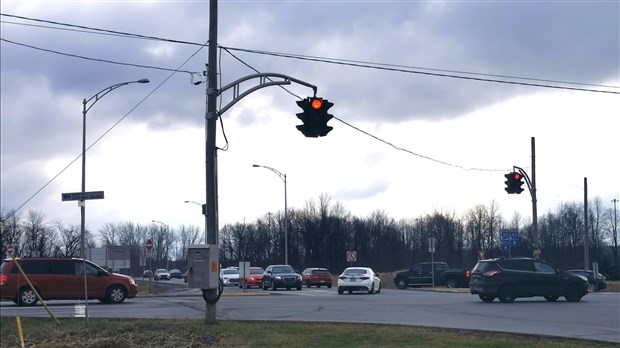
[(615, 231), (534, 202), (586, 244), (211, 216)]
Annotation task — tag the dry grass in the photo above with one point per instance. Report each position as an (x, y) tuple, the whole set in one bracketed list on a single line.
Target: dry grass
[(72, 333)]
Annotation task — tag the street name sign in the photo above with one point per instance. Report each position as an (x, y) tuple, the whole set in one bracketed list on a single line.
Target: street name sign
[(82, 196)]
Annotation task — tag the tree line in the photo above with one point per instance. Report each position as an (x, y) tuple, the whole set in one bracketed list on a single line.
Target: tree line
[(322, 231)]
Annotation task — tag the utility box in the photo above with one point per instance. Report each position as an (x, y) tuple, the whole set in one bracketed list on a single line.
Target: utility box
[(203, 263)]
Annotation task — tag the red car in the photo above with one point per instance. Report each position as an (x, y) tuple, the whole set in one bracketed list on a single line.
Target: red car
[(317, 277), (256, 277)]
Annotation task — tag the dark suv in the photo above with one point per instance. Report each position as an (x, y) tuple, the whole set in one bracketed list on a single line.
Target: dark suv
[(508, 279)]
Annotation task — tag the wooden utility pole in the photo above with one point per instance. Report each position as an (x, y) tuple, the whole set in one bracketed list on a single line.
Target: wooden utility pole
[(211, 216)]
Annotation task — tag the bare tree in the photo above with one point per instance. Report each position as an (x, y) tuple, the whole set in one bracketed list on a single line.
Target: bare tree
[(11, 230), (39, 239), (69, 244)]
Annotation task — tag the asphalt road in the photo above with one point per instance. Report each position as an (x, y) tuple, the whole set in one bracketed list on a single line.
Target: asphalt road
[(596, 317)]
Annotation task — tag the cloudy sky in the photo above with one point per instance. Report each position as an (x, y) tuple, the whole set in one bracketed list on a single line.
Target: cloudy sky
[(417, 127)]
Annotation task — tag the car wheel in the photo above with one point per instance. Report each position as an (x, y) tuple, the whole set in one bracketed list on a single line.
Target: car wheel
[(572, 294), (308, 285), (263, 286), (372, 289), (273, 286), (329, 286), (452, 283), (401, 284), (116, 294), (299, 287), (379, 290), (552, 298), (486, 298), (27, 297), (340, 291), (507, 294)]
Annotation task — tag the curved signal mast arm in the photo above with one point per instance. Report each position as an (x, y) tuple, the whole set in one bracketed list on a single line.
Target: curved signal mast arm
[(265, 80)]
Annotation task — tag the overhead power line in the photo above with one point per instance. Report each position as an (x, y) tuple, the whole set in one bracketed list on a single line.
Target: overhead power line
[(96, 59), (456, 74), (429, 73)]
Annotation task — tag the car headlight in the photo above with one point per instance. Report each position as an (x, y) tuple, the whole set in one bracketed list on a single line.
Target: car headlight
[(278, 277), (131, 281), (583, 278)]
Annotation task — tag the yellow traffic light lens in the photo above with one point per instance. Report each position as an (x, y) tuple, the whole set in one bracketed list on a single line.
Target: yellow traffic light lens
[(317, 103)]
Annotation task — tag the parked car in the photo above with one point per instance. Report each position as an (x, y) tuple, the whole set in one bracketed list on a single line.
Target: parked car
[(175, 273), (280, 276), (62, 278), (317, 277), (421, 274), (508, 279), (594, 284), (230, 276), (255, 278), (162, 274), (147, 274), (359, 279)]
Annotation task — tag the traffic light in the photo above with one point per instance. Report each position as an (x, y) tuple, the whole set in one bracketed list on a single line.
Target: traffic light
[(314, 117), (513, 182)]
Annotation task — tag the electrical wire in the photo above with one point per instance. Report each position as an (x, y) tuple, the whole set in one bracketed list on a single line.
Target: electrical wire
[(105, 133), (96, 59), (353, 63), (376, 137), (436, 74)]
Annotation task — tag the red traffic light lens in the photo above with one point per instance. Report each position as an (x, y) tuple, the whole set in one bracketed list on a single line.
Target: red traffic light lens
[(317, 103), (517, 176)]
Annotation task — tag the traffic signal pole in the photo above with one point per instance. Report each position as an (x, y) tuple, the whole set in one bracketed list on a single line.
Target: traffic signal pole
[(531, 185)]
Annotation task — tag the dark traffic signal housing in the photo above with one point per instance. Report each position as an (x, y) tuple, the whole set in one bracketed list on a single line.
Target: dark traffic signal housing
[(513, 182), (314, 117)]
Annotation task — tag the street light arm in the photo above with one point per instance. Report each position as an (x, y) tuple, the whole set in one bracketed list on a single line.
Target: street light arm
[(278, 173), (107, 90), (159, 222)]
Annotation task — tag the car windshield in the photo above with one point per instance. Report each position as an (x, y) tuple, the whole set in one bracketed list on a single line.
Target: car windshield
[(320, 272), (283, 269), (256, 271), (355, 271), (230, 271)]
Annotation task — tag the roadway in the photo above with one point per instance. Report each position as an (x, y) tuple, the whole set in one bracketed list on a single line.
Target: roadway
[(596, 317)]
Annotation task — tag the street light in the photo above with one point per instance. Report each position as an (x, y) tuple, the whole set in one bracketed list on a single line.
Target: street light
[(167, 229), (202, 206), (95, 98), (283, 177), (85, 107)]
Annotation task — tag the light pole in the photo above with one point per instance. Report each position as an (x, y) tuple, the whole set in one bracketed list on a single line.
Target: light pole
[(167, 229), (203, 207), (85, 107), (283, 177)]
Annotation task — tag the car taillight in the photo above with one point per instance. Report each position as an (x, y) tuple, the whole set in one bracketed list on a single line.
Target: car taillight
[(364, 278), (343, 278), (490, 273), (600, 277), (467, 274), (2, 279)]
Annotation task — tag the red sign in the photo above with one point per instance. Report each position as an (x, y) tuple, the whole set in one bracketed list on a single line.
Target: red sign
[(10, 249), (149, 245)]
